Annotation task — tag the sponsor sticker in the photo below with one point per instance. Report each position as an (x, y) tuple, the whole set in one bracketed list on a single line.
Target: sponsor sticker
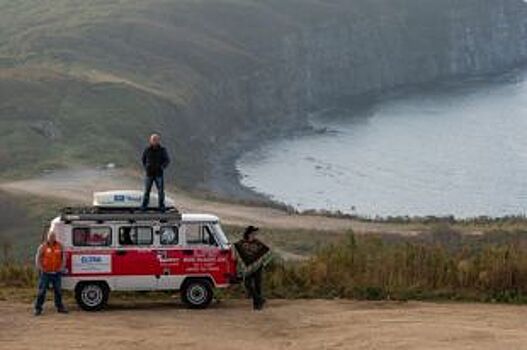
[(91, 263), (134, 198)]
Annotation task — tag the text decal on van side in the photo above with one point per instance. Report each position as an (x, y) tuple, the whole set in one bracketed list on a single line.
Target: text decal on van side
[(84, 263)]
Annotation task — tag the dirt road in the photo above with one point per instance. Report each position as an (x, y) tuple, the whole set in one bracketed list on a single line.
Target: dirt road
[(77, 186), (283, 325)]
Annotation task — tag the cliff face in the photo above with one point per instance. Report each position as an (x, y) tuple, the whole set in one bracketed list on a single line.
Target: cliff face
[(213, 74), (367, 46), (405, 42), (388, 44)]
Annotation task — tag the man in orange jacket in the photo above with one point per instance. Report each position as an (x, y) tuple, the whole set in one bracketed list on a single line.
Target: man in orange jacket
[(50, 262)]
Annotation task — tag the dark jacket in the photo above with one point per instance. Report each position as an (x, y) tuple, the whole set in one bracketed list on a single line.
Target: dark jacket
[(155, 160)]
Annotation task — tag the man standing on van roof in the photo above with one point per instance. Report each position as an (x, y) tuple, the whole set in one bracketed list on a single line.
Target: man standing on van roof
[(155, 160), (50, 262)]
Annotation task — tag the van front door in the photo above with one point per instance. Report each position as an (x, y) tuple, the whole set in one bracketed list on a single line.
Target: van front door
[(203, 255)]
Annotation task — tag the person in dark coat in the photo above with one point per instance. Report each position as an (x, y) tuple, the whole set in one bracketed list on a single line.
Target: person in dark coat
[(255, 255), (155, 160)]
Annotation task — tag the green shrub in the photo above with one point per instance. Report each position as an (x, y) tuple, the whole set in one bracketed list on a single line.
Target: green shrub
[(369, 268), (15, 275)]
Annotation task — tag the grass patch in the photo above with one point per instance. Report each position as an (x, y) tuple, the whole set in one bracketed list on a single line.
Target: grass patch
[(301, 242), (370, 268), (24, 220)]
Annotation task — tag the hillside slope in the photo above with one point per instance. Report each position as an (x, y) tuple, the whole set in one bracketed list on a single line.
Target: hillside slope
[(82, 82)]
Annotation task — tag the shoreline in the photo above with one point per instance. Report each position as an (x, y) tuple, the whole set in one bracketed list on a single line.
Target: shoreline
[(226, 182)]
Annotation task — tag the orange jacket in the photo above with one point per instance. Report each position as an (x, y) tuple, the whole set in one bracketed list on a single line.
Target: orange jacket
[(50, 257)]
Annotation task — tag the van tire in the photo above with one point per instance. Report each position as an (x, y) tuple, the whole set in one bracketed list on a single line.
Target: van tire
[(197, 293), (92, 296)]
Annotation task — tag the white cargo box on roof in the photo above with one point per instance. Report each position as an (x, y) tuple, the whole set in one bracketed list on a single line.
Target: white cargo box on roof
[(199, 218), (126, 199)]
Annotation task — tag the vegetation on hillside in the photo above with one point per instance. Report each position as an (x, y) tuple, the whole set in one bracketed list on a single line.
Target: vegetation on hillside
[(84, 82), (23, 223), (370, 268)]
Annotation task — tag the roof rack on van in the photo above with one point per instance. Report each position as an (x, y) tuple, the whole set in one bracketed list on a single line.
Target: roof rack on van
[(70, 214)]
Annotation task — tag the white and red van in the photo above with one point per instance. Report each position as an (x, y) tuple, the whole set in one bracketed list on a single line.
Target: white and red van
[(112, 246)]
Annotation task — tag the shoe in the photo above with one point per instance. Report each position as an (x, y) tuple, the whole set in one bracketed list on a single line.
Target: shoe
[(62, 311), (259, 306), (37, 312)]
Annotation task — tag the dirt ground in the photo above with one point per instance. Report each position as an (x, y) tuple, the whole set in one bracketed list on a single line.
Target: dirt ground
[(300, 324), (78, 185)]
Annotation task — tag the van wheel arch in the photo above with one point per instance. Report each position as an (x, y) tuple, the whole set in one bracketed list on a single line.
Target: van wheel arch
[(92, 295)]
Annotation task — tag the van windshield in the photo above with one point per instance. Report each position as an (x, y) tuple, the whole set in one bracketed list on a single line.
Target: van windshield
[(220, 235)]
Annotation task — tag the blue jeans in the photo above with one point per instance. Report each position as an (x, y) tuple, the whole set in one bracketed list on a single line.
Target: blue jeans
[(43, 282), (149, 181)]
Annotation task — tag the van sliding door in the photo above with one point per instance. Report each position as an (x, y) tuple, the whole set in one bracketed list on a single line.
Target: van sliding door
[(136, 262)]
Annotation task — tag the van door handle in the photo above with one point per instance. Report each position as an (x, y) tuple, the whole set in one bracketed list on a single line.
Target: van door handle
[(120, 252)]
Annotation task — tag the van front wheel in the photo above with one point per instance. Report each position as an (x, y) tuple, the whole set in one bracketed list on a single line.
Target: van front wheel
[(197, 294), (92, 296)]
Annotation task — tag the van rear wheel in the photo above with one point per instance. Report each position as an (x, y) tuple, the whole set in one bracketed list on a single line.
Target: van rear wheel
[(92, 296), (197, 294)]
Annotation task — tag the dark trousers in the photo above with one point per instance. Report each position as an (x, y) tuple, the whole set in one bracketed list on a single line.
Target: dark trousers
[(253, 284), (45, 279), (149, 181)]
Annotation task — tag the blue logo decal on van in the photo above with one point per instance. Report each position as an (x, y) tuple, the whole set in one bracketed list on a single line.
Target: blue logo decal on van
[(90, 259), (134, 198)]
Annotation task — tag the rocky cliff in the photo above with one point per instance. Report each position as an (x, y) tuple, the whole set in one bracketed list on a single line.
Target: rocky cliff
[(363, 47)]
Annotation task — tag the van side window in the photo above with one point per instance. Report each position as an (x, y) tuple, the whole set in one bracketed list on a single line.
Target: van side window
[(200, 234), (135, 235), (169, 235), (92, 236)]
